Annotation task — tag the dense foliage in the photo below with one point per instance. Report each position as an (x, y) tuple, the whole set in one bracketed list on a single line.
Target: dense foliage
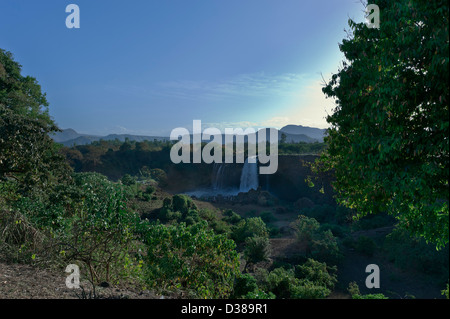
[(387, 148), (28, 155), (388, 144)]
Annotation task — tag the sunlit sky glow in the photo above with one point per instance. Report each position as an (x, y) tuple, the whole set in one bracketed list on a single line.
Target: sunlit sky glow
[(149, 66)]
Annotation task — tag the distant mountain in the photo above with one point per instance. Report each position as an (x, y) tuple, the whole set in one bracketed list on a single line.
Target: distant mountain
[(70, 137), (293, 138), (313, 132), (290, 138), (65, 135), (294, 134)]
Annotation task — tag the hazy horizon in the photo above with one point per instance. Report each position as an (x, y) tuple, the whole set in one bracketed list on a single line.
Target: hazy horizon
[(147, 68)]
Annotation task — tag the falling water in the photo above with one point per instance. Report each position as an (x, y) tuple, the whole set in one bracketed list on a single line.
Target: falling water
[(218, 176), (249, 176)]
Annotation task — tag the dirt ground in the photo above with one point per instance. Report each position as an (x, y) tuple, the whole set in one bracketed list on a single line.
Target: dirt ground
[(27, 282)]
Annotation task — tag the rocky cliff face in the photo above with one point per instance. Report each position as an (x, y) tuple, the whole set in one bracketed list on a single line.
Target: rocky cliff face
[(288, 183)]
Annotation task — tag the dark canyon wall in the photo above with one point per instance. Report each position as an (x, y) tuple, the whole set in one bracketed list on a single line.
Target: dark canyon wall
[(288, 183)]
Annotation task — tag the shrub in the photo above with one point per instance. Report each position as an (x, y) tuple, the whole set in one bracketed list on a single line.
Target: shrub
[(320, 245), (353, 289), (220, 227), (232, 218), (281, 282), (337, 230), (182, 203), (191, 217), (20, 240), (309, 290), (267, 217), (190, 258), (256, 249), (249, 227), (159, 175), (100, 233), (259, 294), (167, 202), (445, 292), (207, 215), (317, 272), (284, 285), (244, 284), (150, 189), (128, 180)]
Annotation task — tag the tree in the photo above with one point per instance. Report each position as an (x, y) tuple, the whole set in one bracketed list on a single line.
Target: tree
[(97, 229), (388, 143), (191, 258), (256, 249), (128, 180), (317, 272), (28, 155), (319, 244), (249, 227)]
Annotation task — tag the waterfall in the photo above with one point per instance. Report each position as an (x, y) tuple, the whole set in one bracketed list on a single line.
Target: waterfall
[(249, 176), (218, 176)]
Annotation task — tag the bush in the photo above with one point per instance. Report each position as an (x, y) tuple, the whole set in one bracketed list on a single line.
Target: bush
[(284, 285), (182, 203), (320, 245), (317, 272), (88, 224), (207, 215), (281, 283), (159, 175), (220, 227), (232, 218), (309, 290), (167, 202), (353, 289), (190, 258), (267, 217), (150, 189), (128, 180), (445, 292), (21, 241), (249, 227), (256, 249), (244, 284), (191, 217), (259, 294), (337, 230), (100, 233)]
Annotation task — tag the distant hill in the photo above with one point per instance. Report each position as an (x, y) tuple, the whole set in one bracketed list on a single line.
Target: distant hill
[(294, 138), (290, 138), (313, 132), (66, 135), (294, 134), (70, 137)]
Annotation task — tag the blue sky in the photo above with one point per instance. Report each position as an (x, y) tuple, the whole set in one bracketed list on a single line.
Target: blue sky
[(149, 66)]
